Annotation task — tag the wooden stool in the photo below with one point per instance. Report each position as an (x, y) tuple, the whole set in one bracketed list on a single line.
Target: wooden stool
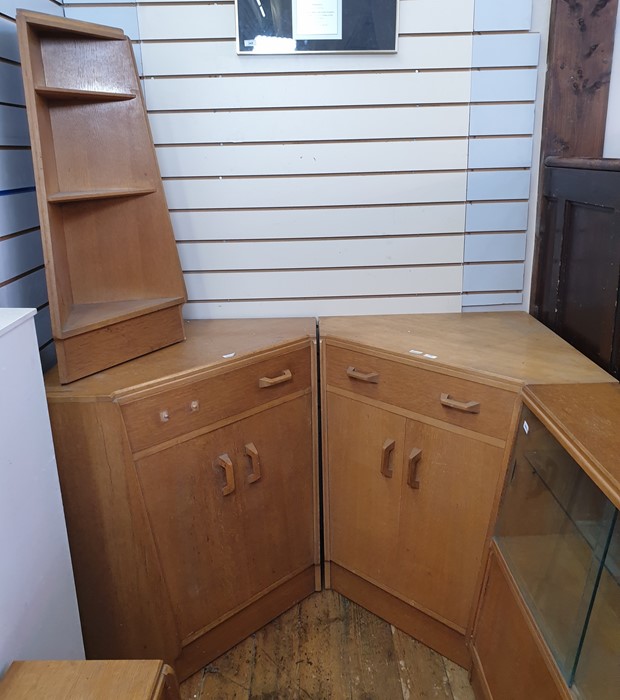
[(89, 680)]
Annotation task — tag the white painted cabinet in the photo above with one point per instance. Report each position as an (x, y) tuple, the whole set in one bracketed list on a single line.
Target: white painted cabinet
[(38, 609)]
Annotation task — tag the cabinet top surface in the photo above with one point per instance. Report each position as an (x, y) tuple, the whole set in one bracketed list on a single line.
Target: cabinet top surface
[(75, 680), (209, 345), (508, 345), (585, 418), (11, 318)]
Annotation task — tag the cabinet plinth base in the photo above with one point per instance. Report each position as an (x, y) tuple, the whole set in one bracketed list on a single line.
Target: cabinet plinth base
[(415, 623), (87, 353), (214, 643)]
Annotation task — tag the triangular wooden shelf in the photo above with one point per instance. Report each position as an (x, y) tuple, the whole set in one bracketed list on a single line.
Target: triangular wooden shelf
[(114, 279), (58, 93)]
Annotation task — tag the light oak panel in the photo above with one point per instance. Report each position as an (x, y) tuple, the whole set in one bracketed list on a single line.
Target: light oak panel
[(457, 480), (73, 680), (516, 347), (217, 398), (511, 666), (393, 385), (232, 529)]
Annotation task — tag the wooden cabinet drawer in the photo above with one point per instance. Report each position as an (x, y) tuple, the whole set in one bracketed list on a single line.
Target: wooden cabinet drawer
[(421, 391), (155, 419)]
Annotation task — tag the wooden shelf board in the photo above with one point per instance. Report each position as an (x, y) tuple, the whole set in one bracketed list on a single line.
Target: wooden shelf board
[(60, 93), (107, 193), (88, 317)]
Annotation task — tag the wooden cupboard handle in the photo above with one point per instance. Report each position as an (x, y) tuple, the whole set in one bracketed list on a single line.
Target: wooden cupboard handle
[(414, 460), (466, 406), (225, 462), (252, 453), (370, 377), (286, 376), (386, 456)]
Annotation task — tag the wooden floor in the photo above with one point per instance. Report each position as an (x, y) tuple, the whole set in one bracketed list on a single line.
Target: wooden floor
[(328, 648)]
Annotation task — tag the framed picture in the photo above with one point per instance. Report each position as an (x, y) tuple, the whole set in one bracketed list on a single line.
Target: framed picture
[(316, 26)]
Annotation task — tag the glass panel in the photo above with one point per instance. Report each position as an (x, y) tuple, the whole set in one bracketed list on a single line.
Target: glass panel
[(598, 668), (553, 530)]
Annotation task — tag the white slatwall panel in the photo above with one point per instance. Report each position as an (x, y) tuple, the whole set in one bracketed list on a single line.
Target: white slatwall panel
[(325, 223), (315, 185), (22, 278), (277, 126), (321, 253), (305, 158), (325, 89), (505, 59), (219, 57)]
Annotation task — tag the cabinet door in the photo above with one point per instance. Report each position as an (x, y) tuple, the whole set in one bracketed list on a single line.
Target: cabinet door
[(221, 548), (449, 485), (365, 452)]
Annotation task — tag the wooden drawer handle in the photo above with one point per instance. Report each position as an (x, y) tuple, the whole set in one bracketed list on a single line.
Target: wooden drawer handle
[(386, 458), (226, 464), (370, 377), (252, 453), (414, 460), (265, 382), (466, 406)]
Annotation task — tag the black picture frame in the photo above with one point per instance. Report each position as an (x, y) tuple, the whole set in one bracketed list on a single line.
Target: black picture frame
[(266, 27)]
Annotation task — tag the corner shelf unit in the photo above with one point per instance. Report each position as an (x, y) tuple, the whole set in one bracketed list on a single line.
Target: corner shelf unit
[(114, 279)]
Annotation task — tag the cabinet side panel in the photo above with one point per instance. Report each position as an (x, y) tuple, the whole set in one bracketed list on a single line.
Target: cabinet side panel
[(507, 657), (123, 603)]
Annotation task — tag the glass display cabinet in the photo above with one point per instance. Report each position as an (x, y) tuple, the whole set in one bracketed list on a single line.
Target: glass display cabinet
[(558, 533)]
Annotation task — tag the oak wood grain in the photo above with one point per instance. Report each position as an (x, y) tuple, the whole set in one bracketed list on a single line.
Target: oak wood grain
[(511, 348), (95, 680)]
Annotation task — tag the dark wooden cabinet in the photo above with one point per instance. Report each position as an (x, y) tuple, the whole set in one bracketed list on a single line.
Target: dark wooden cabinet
[(578, 286)]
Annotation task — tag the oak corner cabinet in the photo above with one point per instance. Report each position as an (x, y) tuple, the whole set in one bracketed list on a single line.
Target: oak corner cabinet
[(548, 624), (418, 418), (189, 482), (113, 275)]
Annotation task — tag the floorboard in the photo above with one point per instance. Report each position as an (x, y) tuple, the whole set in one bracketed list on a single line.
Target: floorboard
[(328, 648)]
